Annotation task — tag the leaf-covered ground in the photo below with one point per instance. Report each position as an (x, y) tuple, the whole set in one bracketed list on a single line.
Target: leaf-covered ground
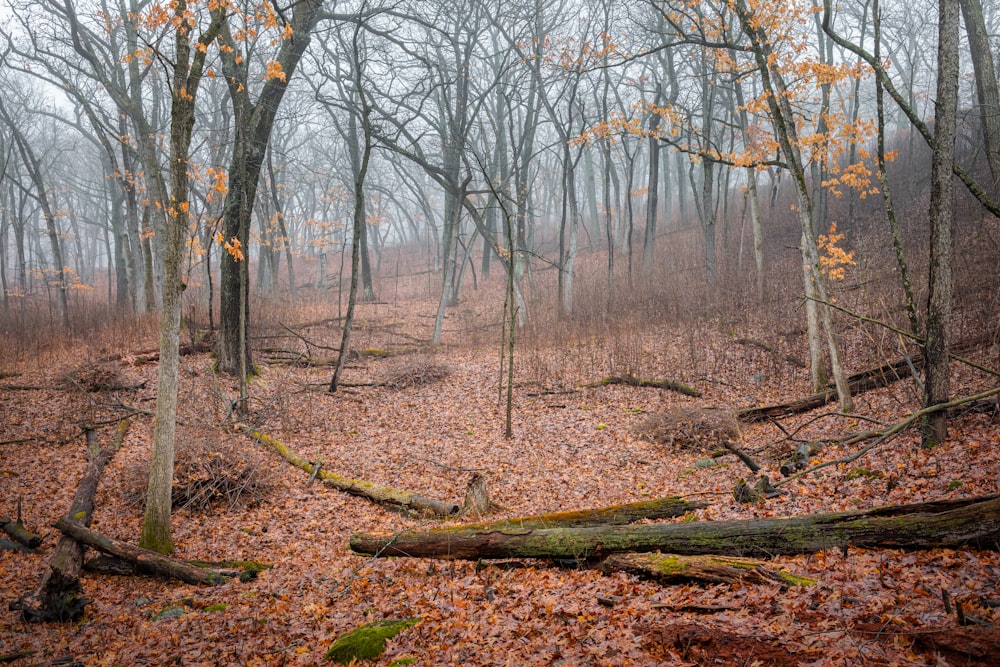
[(427, 420)]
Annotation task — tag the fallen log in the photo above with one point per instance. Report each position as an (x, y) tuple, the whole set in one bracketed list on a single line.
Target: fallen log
[(972, 523), (383, 495), (867, 380), (17, 532), (185, 349), (633, 381), (613, 515), (144, 560), (673, 568), (10, 545), (59, 595), (742, 456)]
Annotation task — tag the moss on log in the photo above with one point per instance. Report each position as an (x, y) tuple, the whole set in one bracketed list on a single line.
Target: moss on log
[(20, 534), (674, 568), (924, 526), (385, 495), (613, 515)]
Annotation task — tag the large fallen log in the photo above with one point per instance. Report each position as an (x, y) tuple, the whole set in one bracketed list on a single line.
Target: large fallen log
[(59, 595), (873, 378), (144, 560), (970, 523), (383, 495)]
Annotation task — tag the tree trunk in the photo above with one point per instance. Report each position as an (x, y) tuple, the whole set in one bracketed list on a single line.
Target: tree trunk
[(359, 165), (936, 385), (254, 122), (33, 166), (188, 69), (986, 83), (59, 595), (971, 523)]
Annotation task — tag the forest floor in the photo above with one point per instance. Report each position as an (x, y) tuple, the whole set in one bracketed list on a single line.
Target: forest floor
[(435, 420)]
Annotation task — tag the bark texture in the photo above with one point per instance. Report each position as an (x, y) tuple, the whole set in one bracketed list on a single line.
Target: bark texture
[(976, 524), (144, 560), (938, 377), (613, 515)]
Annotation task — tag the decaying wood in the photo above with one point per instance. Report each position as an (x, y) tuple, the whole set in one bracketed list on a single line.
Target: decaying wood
[(973, 523), (867, 380), (880, 436), (15, 528), (800, 458), (742, 456), (10, 545), (18, 655), (151, 356), (613, 515), (634, 381), (673, 568), (145, 560), (477, 499), (301, 361), (383, 495), (59, 595), (20, 534)]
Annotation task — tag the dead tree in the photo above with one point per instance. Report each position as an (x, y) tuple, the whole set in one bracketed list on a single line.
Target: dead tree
[(59, 595), (969, 523)]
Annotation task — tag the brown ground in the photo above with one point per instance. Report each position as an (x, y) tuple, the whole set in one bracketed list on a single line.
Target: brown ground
[(573, 447)]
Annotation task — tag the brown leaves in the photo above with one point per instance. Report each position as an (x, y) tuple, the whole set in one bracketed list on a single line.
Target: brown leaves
[(430, 437)]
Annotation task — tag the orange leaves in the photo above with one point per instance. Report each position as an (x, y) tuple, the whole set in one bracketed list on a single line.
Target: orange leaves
[(833, 259), (218, 182), (233, 246), (274, 71)]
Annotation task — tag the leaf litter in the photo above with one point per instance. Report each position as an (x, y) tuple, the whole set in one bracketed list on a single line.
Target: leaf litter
[(879, 607)]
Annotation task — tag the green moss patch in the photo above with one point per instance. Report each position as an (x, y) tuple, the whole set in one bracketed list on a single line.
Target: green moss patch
[(368, 641)]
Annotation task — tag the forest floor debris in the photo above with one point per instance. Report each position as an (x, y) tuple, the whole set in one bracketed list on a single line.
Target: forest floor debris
[(569, 451)]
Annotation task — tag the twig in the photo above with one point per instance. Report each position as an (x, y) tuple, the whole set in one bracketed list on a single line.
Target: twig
[(307, 341), (816, 418), (907, 334), (882, 436)]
